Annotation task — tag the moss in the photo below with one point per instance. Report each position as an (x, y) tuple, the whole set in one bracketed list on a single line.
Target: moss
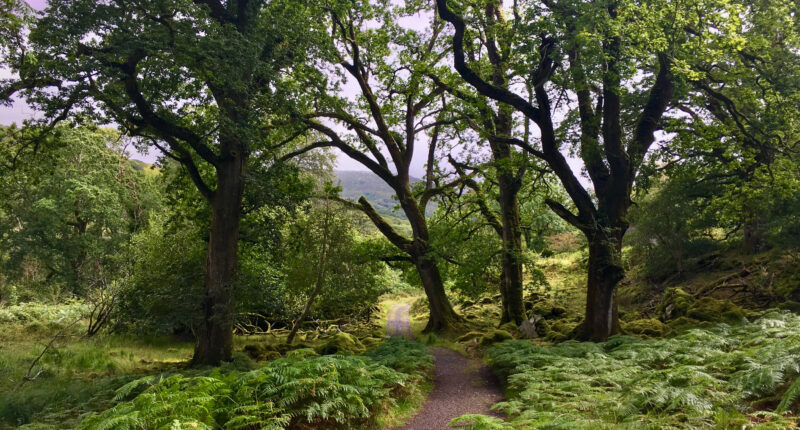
[(494, 336), (341, 342), (560, 330), (371, 341), (509, 327), (648, 327), (420, 307), (675, 304), (787, 284), (711, 309), (791, 306), (271, 355), (469, 336), (546, 309), (683, 323), (255, 351)]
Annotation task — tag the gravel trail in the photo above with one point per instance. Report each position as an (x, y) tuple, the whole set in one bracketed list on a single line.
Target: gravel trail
[(461, 385)]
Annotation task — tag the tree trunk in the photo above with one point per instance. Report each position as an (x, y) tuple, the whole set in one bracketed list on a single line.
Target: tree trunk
[(753, 240), (442, 316), (511, 290), (215, 340), (605, 272)]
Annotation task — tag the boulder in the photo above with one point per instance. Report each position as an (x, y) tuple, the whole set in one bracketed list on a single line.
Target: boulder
[(648, 327), (530, 329), (341, 342)]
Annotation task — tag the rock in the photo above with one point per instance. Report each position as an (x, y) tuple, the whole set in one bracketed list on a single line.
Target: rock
[(469, 336), (674, 304), (259, 351), (371, 341), (560, 330), (648, 327), (494, 336), (711, 309), (509, 327), (341, 342), (528, 327)]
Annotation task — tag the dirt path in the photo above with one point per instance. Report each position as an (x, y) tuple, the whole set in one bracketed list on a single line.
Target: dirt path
[(397, 323), (461, 385)]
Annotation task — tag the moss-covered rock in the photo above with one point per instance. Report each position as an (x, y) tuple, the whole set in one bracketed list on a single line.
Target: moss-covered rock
[(684, 323), (675, 304), (469, 336), (371, 341), (648, 327), (560, 330), (260, 351), (509, 327), (339, 343), (715, 310), (548, 310), (494, 336)]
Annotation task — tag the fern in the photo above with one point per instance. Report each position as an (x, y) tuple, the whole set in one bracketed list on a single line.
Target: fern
[(479, 422), (681, 382), (300, 390), (789, 397)]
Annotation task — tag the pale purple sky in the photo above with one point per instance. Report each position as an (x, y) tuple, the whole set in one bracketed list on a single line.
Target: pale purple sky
[(37, 4)]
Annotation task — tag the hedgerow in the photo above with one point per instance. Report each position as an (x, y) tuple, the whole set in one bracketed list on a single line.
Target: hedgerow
[(741, 376), (302, 390)]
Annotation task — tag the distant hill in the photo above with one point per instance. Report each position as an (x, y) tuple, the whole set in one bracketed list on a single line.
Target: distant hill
[(356, 184)]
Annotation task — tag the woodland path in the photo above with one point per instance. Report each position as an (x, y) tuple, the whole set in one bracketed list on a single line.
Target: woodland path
[(461, 385)]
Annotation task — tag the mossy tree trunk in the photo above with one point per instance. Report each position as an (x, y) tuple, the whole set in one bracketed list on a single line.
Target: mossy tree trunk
[(215, 339)]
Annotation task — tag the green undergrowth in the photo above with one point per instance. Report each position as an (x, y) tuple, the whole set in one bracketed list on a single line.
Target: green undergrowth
[(726, 376), (76, 375), (302, 390)]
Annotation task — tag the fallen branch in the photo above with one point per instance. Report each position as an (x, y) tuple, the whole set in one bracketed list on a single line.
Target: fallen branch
[(29, 376)]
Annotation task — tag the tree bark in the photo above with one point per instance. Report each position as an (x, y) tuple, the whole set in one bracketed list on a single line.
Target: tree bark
[(604, 273), (442, 316), (511, 290), (215, 340), (753, 235)]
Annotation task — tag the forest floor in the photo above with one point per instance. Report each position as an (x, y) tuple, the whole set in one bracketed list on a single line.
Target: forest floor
[(461, 385)]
